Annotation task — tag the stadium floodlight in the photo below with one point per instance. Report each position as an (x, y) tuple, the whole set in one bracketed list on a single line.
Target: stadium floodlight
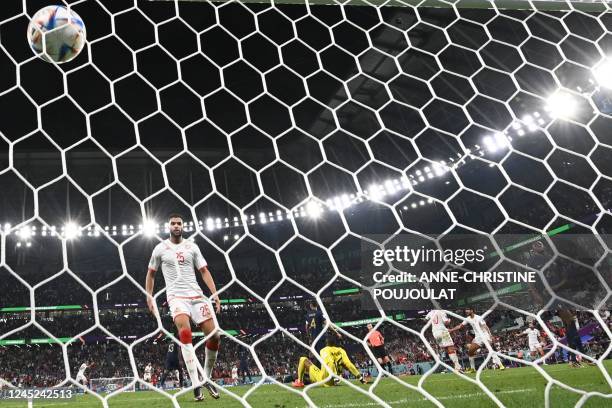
[(390, 187), (313, 209), (210, 225), (71, 230), (374, 192), (561, 105), (529, 122), (490, 144), (149, 227), (25, 233), (438, 170), (603, 73), (501, 139)]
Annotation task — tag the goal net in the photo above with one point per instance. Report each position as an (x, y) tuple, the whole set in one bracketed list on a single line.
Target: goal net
[(310, 147)]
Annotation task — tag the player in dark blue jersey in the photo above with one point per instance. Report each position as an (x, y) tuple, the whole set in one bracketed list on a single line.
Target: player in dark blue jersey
[(244, 367), (315, 322), (172, 364)]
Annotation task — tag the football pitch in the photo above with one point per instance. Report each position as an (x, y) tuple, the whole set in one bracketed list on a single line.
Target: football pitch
[(515, 387)]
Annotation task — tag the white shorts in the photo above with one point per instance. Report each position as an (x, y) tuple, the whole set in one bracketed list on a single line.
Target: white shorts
[(147, 377), (443, 338), (81, 378), (234, 376), (199, 310), (480, 340), (534, 346)]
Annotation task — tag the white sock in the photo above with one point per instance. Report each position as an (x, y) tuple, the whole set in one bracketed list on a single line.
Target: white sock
[(454, 359), (472, 362), (189, 357), (209, 362), (496, 360)]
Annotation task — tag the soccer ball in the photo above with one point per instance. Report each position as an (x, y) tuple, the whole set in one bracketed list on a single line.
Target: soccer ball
[(56, 34)]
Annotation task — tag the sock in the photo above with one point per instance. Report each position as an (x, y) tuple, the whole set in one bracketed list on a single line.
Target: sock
[(454, 359), (389, 368), (189, 356), (472, 362), (496, 360), (180, 377), (301, 369), (212, 348), (162, 380)]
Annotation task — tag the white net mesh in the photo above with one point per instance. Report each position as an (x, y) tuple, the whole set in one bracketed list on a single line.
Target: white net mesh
[(287, 134)]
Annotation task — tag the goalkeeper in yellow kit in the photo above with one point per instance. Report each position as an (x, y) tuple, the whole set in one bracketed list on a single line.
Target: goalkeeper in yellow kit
[(334, 358)]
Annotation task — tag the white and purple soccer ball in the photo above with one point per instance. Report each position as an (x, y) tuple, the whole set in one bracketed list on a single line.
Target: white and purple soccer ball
[(56, 34)]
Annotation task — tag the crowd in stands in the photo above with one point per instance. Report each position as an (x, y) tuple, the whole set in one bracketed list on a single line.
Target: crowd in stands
[(43, 365)]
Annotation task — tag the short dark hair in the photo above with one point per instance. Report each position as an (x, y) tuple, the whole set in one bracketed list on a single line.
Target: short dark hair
[(331, 339), (175, 215)]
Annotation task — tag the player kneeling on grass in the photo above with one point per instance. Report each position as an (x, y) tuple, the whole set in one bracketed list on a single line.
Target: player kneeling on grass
[(334, 358), (482, 334)]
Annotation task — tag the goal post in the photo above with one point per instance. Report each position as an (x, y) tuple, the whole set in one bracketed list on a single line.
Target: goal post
[(112, 384)]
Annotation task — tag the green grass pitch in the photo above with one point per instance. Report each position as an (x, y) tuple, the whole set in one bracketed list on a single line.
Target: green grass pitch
[(516, 387)]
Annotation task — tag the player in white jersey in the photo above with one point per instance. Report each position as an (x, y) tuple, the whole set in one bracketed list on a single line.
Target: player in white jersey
[(533, 339), (179, 259), (482, 335), (235, 375), (147, 373), (439, 320), (80, 377)]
